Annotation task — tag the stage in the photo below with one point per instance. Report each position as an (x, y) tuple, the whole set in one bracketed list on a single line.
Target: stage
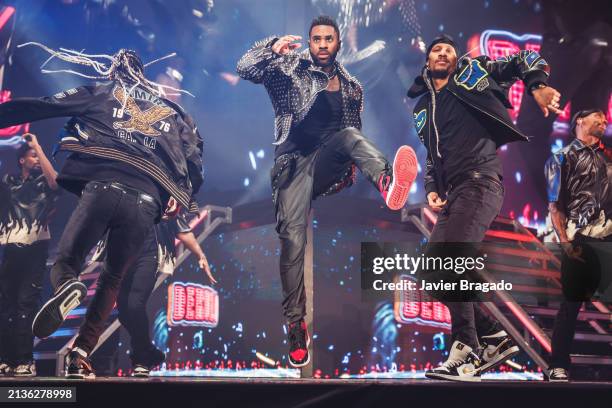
[(212, 392)]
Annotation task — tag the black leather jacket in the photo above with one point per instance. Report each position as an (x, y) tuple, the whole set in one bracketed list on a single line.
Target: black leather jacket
[(152, 134), (482, 84), (578, 180)]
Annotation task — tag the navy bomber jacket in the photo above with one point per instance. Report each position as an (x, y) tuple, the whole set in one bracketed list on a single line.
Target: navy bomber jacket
[(152, 134)]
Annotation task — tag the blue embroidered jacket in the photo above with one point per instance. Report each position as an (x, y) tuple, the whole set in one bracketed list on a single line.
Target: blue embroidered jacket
[(482, 84)]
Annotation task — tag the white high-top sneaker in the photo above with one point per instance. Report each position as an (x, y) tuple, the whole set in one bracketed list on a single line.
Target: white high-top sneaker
[(462, 365), (496, 348), (25, 370)]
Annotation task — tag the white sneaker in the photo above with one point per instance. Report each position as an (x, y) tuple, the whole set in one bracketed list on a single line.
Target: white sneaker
[(462, 365), (5, 370), (496, 348), (558, 375), (25, 370)]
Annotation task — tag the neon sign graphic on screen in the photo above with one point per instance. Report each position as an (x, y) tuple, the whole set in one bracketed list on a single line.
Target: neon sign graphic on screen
[(192, 304), (499, 43), (414, 306), (9, 137)]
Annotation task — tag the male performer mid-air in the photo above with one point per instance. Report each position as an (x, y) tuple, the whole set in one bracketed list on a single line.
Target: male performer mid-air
[(318, 142), (461, 118), (131, 150)]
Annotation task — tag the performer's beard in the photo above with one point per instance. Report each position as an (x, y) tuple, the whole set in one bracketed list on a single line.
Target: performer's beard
[(330, 61), (597, 132), (440, 73)]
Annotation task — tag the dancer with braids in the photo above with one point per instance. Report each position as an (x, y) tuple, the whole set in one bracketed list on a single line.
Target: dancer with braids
[(131, 150), (318, 142), (462, 119)]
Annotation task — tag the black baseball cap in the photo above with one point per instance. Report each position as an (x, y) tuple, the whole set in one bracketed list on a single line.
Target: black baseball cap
[(582, 114), (445, 39)]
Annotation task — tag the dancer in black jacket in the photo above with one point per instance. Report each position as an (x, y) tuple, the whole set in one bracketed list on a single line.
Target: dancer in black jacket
[(462, 119), (131, 150)]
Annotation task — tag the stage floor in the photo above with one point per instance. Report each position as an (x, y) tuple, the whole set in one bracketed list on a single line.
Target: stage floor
[(271, 392)]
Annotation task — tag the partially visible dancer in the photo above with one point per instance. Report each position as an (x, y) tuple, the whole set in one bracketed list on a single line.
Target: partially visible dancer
[(27, 202), (157, 256), (319, 143), (462, 118), (579, 186), (131, 149)]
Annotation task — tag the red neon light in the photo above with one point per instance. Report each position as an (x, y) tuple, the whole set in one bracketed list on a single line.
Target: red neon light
[(415, 306), (5, 15), (191, 304), (528, 323), (5, 96), (503, 48)]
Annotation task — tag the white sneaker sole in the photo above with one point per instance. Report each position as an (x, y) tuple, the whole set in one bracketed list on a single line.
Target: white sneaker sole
[(53, 313), (448, 377), (81, 376), (404, 174)]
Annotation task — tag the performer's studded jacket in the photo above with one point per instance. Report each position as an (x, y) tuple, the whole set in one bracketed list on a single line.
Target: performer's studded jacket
[(293, 82), (482, 84), (154, 135), (579, 180)]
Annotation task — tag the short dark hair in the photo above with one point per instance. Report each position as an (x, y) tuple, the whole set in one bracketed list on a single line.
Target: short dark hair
[(21, 152), (582, 114), (326, 21)]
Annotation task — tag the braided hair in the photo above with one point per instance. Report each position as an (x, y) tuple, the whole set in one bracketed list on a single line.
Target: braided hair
[(125, 67)]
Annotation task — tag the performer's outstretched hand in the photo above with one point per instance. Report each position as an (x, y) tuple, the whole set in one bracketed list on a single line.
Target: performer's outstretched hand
[(286, 44), (435, 202), (547, 99), (203, 263)]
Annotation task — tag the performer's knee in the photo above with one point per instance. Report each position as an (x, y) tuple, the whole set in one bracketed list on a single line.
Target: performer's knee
[(293, 241)]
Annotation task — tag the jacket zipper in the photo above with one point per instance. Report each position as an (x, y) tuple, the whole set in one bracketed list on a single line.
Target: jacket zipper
[(430, 119)]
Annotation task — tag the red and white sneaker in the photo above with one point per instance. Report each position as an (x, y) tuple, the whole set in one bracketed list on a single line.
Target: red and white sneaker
[(396, 187), (299, 340)]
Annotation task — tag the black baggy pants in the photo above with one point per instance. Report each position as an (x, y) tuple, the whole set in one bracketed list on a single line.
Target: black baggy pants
[(471, 208), (21, 276), (127, 215)]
